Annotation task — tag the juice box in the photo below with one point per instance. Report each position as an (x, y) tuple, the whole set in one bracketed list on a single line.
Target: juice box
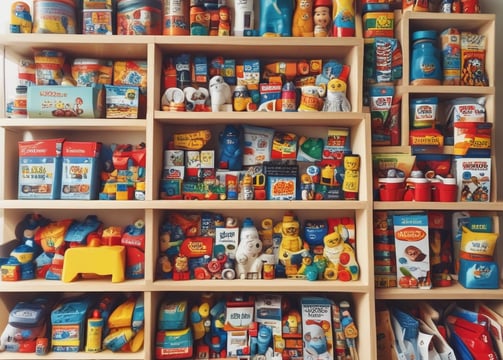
[(473, 176), (412, 250), (80, 171), (317, 327), (40, 169)]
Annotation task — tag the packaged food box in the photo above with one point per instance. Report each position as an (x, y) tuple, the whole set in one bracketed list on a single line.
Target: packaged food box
[(122, 101), (49, 101), (40, 169), (473, 176), (317, 327), (412, 250), (80, 171)]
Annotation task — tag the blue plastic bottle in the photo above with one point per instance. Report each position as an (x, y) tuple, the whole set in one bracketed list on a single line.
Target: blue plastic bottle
[(276, 17), (425, 68)]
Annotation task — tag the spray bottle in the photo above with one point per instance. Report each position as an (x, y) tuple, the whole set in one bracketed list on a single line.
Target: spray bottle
[(243, 18)]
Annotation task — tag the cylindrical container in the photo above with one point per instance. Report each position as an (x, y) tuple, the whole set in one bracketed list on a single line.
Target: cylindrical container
[(425, 68), (418, 189), (176, 17), (244, 17), (49, 67), (88, 72), (94, 332), (445, 190), (20, 18), (19, 105), (139, 17), (288, 97), (241, 98), (391, 189), (26, 72), (54, 16)]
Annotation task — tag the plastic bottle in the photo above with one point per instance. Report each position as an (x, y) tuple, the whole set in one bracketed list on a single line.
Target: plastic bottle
[(94, 332), (244, 18), (19, 104), (425, 68), (288, 97)]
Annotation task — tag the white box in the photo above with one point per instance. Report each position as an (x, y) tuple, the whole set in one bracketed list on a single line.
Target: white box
[(473, 176)]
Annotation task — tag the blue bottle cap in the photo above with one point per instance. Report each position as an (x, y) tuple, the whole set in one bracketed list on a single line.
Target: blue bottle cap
[(424, 34)]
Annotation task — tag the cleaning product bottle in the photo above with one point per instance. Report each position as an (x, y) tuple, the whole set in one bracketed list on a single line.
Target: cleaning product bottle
[(244, 19), (94, 332), (276, 18)]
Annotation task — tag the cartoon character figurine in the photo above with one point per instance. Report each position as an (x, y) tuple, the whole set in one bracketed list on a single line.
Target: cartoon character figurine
[(303, 19), (220, 93), (336, 99), (231, 149), (248, 261), (291, 244), (340, 255), (322, 18), (276, 17), (344, 18)]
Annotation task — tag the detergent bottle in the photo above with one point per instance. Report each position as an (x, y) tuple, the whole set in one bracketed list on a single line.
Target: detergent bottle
[(244, 17), (276, 17)]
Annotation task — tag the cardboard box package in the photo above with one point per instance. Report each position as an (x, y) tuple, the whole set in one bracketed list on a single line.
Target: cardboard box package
[(473, 176)]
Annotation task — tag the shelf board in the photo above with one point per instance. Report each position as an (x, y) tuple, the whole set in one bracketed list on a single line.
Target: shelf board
[(454, 292), (261, 118), (448, 90), (76, 45), (76, 124), (441, 21), (423, 205), (262, 286), (260, 47), (87, 285), (105, 355)]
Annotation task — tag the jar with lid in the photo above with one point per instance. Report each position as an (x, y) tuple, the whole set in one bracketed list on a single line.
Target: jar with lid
[(19, 104), (425, 68)]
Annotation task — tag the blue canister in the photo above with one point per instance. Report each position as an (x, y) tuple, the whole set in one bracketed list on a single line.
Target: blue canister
[(425, 68)]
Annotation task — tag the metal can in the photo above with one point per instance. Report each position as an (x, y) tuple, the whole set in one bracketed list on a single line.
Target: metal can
[(241, 98), (139, 17), (54, 17), (176, 17)]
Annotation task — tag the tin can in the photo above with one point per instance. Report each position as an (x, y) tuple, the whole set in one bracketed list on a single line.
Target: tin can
[(49, 67), (139, 17), (54, 16), (176, 17)]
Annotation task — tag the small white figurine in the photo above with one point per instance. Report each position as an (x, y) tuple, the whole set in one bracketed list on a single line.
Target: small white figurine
[(336, 99), (220, 93), (249, 262)]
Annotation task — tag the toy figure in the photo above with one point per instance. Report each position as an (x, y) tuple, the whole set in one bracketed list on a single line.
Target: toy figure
[(340, 255), (248, 261), (231, 149), (181, 270), (220, 93), (310, 99), (196, 99), (303, 19), (291, 243), (276, 17), (336, 99), (322, 18), (224, 23)]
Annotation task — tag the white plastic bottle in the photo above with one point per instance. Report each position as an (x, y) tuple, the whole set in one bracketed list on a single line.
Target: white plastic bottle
[(244, 19)]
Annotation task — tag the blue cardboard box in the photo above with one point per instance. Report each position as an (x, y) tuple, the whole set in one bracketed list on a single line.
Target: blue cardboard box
[(40, 169)]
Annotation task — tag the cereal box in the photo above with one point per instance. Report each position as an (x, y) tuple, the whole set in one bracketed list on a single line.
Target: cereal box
[(80, 172), (122, 102), (473, 176), (317, 328), (412, 250), (40, 169)]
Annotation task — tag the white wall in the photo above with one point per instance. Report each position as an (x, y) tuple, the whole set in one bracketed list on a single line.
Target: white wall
[(487, 6)]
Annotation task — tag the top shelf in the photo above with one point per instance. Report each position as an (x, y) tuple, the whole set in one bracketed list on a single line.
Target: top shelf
[(106, 46)]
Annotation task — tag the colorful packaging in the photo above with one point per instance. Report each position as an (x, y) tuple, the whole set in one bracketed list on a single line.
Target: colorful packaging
[(65, 101), (451, 56), (80, 170), (122, 102), (68, 326), (139, 17), (412, 250), (40, 169), (317, 327), (97, 22), (378, 24), (54, 17), (473, 176), (473, 59)]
